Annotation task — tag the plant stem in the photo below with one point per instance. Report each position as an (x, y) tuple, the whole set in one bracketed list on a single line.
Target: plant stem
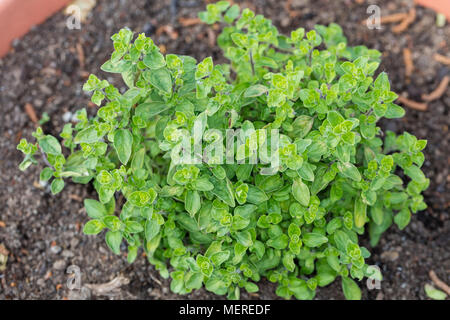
[(251, 62)]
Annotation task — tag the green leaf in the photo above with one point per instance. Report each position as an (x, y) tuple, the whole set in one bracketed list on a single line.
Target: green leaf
[(351, 289), (88, 135), (57, 186), (220, 257), (187, 222), (402, 218), (239, 223), (256, 195), (154, 60), (132, 254), (113, 223), (93, 227), (97, 97), (394, 111), (302, 126), (192, 202), (129, 76), (377, 214), (161, 79), (232, 13), (244, 238), (300, 191), (113, 240), (134, 227), (255, 91), (306, 172), (434, 293), (150, 109), (279, 242), (216, 286), (138, 159), (313, 240), (223, 190), (360, 213), (46, 174), (202, 184), (415, 174), (142, 198), (251, 287), (382, 82), (301, 290), (288, 262), (115, 67), (194, 280), (335, 118), (349, 170), (324, 279), (50, 145), (94, 209), (123, 143), (204, 68), (151, 229), (271, 183)]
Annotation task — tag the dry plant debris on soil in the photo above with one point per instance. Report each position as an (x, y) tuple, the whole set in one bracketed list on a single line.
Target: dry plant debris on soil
[(439, 283)]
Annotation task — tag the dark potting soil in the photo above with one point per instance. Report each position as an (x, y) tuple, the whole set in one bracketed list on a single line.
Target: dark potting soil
[(45, 69)]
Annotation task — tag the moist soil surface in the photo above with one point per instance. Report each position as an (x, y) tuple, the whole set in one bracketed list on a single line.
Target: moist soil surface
[(47, 69)]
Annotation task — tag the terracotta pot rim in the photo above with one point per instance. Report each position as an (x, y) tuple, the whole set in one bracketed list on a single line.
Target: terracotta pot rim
[(17, 17), (440, 6)]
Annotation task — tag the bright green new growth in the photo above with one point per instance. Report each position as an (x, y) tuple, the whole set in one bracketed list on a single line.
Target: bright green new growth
[(224, 226)]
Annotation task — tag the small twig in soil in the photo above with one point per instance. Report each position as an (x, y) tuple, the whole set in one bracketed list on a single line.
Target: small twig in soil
[(292, 13), (162, 48), (31, 113), (438, 282), (18, 136), (253, 294), (168, 29), (396, 17), (439, 91), (393, 18), (156, 280), (106, 288), (412, 104), (442, 59), (187, 22), (409, 65), (81, 57), (211, 38), (75, 197), (37, 185), (402, 26)]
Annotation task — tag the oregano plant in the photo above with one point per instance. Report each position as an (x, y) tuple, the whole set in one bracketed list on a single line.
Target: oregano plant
[(270, 166)]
